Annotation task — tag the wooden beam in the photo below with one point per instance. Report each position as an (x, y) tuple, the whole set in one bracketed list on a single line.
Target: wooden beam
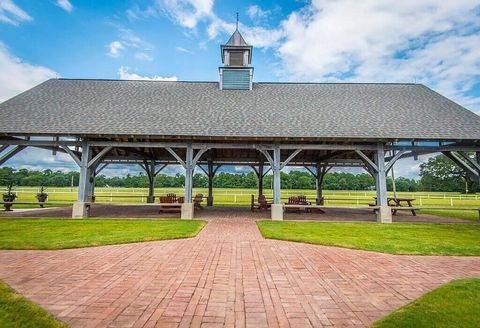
[(72, 154), (394, 159), (99, 156), (473, 174), (11, 153), (367, 160), (289, 158), (178, 158)]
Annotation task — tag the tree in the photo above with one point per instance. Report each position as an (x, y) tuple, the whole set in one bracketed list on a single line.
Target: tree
[(441, 174)]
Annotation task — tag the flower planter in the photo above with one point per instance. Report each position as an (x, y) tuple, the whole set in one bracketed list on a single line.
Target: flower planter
[(8, 199), (42, 198)]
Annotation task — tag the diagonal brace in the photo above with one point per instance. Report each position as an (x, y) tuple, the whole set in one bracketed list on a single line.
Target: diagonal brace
[(461, 163), (99, 156), (178, 158), (394, 159), (367, 160), (267, 155), (11, 153), (289, 158), (72, 154)]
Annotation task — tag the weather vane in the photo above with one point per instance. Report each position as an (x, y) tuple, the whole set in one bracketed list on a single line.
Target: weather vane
[(237, 20)]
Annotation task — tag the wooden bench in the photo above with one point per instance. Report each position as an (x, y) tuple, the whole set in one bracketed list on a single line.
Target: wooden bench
[(170, 204), (261, 204), (197, 202)]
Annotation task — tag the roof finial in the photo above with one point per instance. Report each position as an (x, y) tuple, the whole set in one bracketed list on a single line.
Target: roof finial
[(237, 21)]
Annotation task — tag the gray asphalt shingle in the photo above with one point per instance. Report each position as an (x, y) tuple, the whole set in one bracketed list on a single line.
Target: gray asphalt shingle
[(109, 107)]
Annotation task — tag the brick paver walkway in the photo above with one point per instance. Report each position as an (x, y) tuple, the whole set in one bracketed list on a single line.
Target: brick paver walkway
[(228, 275)]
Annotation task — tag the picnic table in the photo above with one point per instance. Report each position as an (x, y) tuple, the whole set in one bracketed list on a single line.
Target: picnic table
[(400, 202), (295, 203)]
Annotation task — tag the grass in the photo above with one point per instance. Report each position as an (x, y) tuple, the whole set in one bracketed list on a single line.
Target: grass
[(73, 233), (464, 215), (241, 196), (456, 304), (16, 311), (396, 238)]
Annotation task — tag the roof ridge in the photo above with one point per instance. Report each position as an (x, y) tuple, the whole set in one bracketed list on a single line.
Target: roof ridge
[(261, 82)]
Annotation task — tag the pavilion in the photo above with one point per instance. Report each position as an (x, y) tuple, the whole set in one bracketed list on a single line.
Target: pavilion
[(235, 121)]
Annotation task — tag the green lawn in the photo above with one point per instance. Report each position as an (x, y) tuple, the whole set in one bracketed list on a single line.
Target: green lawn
[(18, 312), (73, 233), (395, 238), (456, 304), (241, 196), (464, 215)]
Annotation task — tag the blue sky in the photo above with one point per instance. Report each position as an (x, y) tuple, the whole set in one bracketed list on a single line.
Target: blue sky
[(427, 41)]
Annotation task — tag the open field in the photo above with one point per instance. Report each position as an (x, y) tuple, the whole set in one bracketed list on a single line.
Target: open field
[(397, 238), (17, 311), (224, 196), (72, 233), (455, 304)]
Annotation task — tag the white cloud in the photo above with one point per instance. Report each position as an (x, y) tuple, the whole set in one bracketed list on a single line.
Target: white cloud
[(125, 74), (17, 75), (128, 40), (143, 56), (136, 12), (434, 42), (115, 48), (187, 12), (10, 13), (65, 5), (182, 49), (256, 13)]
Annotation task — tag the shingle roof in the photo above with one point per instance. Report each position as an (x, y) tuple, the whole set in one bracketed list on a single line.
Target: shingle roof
[(294, 110), (237, 40)]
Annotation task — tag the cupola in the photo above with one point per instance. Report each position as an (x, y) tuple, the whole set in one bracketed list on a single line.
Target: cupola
[(236, 72)]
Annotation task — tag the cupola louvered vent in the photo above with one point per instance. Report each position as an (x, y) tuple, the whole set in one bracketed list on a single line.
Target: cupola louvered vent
[(236, 72)]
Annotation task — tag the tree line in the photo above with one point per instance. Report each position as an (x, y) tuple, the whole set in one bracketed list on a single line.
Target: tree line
[(438, 174)]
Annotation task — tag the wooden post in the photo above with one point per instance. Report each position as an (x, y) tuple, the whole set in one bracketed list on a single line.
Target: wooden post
[(477, 155), (81, 207), (276, 175), (384, 212), (210, 183), (260, 178), (276, 208), (321, 171), (84, 184), (151, 181), (189, 174)]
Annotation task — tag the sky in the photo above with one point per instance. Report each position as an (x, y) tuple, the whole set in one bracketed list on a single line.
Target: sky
[(433, 42)]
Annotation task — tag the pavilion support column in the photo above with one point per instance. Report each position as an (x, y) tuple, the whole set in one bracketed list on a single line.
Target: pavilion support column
[(82, 206), (477, 157), (210, 174), (384, 213), (189, 166), (277, 208), (321, 171), (260, 178), (188, 206), (93, 179), (151, 181)]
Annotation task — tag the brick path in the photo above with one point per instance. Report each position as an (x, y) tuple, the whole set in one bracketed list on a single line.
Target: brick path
[(226, 276)]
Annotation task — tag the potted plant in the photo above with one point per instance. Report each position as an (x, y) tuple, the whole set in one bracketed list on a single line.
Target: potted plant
[(42, 197), (9, 197)]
